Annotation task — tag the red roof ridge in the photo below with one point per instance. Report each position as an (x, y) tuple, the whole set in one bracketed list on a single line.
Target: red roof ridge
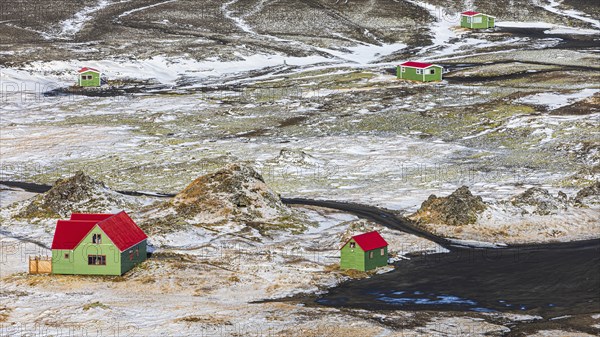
[(368, 241), (90, 216), (420, 65), (470, 13), (84, 69)]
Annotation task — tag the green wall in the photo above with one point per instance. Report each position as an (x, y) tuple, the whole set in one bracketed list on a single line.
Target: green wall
[(60, 263), (78, 259), (126, 263), (356, 258), (486, 22), (117, 262), (411, 74), (352, 258), (94, 82), (378, 260)]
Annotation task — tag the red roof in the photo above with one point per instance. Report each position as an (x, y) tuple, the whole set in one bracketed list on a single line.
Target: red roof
[(417, 64), (119, 228), (122, 231), (84, 69), (470, 13), (369, 241), (69, 233), (89, 216)]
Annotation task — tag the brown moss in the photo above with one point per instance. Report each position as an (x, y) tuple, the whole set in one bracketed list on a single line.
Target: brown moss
[(209, 320)]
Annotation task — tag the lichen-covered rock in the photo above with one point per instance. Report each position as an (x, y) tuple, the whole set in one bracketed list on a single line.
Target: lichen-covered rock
[(235, 193), (539, 201), (588, 195), (459, 208), (79, 193)]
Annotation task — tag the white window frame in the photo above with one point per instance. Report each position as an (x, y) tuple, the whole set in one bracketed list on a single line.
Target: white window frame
[(477, 19), (468, 19), (403, 69), (419, 71)]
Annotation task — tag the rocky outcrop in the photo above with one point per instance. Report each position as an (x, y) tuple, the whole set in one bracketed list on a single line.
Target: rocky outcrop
[(79, 193), (233, 194), (459, 208), (295, 157), (539, 201), (534, 215), (588, 195)]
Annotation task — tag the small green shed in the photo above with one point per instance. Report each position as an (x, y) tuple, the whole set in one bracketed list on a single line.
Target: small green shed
[(89, 77), (364, 252), (418, 71), (97, 244), (475, 20)]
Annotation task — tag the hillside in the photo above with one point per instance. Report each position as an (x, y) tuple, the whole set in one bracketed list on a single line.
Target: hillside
[(235, 195)]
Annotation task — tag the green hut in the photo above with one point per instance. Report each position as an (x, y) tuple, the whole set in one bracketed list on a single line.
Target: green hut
[(97, 244), (89, 77), (364, 252), (418, 71), (475, 20)]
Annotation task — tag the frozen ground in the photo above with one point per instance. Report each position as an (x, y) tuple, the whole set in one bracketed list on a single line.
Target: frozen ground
[(196, 296), (305, 92)]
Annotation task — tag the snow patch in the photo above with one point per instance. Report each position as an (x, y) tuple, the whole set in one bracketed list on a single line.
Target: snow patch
[(554, 100)]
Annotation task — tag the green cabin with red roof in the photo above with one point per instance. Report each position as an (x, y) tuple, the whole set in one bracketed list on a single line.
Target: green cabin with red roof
[(476, 20), (97, 244), (419, 71), (364, 252), (89, 77)]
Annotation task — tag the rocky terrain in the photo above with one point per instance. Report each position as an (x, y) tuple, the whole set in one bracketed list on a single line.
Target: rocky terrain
[(457, 209), (79, 193), (192, 264), (230, 105), (534, 215)]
